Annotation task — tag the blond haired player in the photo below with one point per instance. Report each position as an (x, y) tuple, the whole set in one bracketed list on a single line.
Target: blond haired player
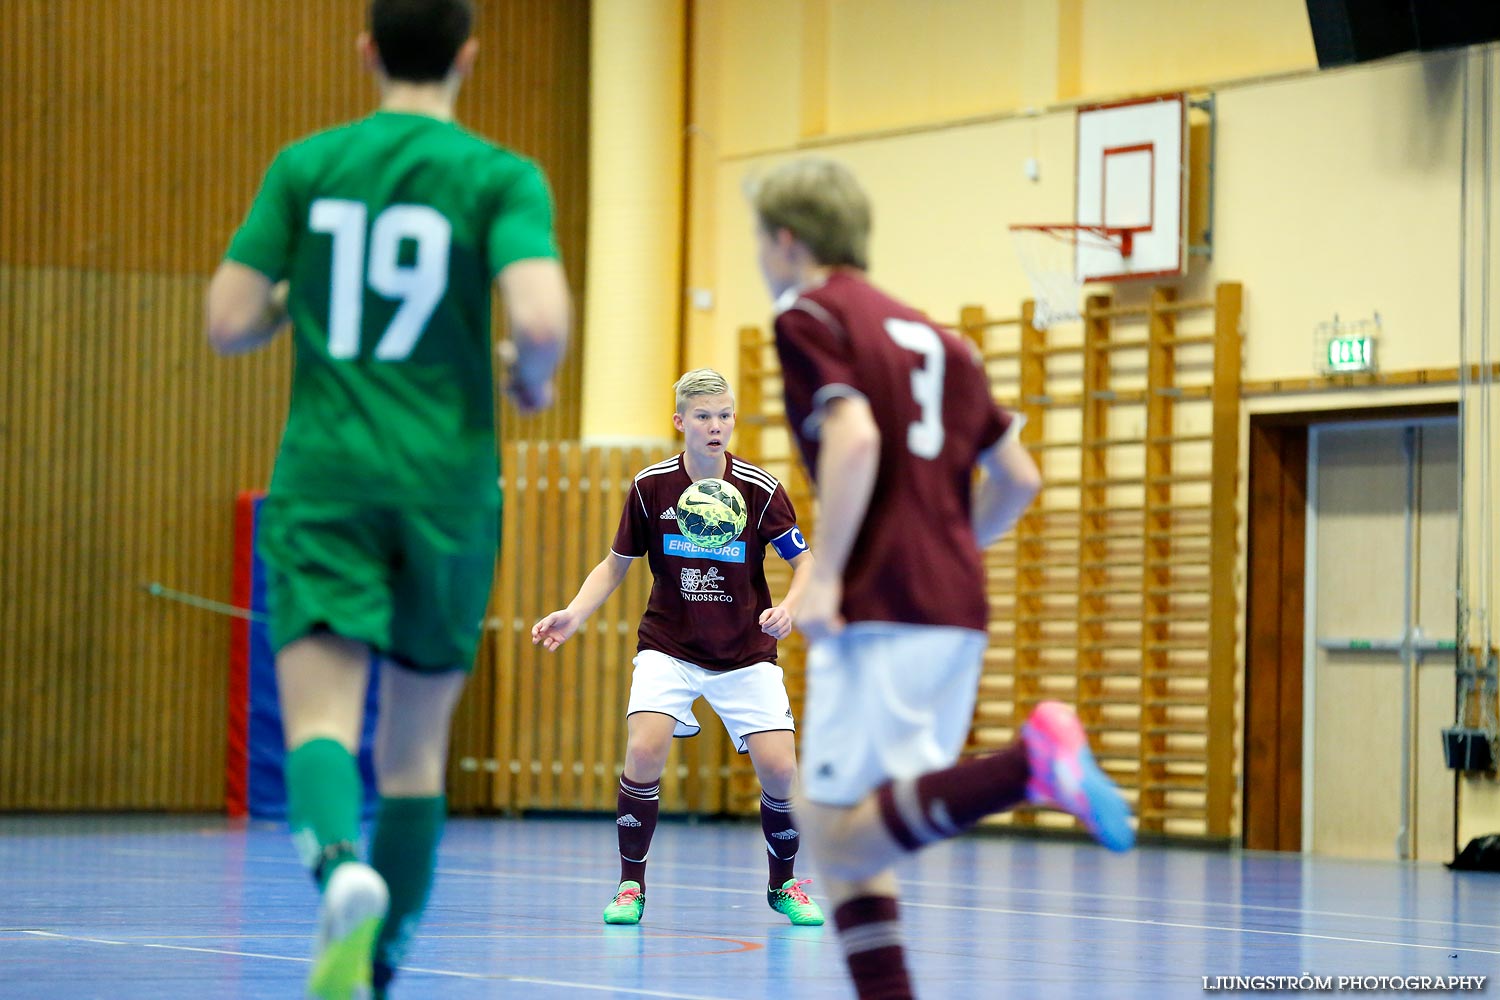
[(710, 631), (893, 415)]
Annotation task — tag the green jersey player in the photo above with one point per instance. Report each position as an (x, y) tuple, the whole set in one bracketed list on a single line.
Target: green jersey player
[(378, 240)]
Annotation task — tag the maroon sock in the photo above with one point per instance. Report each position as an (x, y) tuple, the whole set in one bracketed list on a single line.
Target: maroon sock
[(870, 931), (782, 838), (635, 820), (942, 804)]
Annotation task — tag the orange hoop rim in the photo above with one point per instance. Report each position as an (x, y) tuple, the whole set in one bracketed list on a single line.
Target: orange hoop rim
[(1122, 238)]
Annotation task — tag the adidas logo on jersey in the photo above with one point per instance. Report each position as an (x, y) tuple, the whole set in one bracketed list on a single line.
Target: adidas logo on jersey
[(785, 834), (670, 514), (627, 820)]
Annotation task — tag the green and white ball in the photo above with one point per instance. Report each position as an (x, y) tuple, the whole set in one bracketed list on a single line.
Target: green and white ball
[(711, 513)]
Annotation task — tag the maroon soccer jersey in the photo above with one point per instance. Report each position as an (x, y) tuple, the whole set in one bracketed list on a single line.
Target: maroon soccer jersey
[(915, 558), (706, 604)]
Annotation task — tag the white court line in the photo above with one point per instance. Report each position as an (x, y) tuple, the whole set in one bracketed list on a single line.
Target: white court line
[(1027, 913), (591, 986), (1206, 903), (1069, 893), (165, 947), (1201, 927), (451, 974), (1114, 897), (1301, 935)]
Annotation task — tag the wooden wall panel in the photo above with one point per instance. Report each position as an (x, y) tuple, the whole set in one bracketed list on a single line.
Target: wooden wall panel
[(134, 133), (558, 735), (124, 442)]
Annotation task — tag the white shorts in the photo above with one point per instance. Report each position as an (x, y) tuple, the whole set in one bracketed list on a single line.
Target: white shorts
[(749, 700), (886, 700)]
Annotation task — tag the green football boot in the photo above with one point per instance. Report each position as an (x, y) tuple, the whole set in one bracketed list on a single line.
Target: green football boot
[(354, 905), (628, 905), (797, 905)]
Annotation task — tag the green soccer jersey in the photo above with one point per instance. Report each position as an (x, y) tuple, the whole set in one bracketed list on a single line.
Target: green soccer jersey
[(391, 230)]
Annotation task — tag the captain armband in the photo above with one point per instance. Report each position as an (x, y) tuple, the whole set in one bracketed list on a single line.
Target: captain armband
[(790, 543)]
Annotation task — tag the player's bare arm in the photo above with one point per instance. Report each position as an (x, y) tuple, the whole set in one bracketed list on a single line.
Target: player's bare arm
[(558, 627), (243, 308), (1011, 481), (540, 310), (848, 459), (776, 621)]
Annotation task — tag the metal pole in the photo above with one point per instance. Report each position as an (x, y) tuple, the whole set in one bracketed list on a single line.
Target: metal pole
[(1461, 605), (1486, 690), (1408, 654), (1486, 381)]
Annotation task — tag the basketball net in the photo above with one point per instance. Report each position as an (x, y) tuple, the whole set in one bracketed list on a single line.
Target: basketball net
[(1049, 256)]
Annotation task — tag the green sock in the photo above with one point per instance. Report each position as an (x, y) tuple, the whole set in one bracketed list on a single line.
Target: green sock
[(404, 851), (323, 796)]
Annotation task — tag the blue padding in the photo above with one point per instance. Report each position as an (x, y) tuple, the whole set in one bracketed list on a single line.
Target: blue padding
[(266, 790)]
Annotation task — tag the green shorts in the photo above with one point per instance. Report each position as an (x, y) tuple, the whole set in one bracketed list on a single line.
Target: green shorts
[(413, 583)]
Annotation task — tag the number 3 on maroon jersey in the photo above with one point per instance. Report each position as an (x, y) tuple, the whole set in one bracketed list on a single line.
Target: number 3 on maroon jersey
[(924, 438)]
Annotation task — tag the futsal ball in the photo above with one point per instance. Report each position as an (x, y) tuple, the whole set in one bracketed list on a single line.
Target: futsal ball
[(711, 513)]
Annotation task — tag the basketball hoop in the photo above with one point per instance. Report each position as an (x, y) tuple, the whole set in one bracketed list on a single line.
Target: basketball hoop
[(1049, 255)]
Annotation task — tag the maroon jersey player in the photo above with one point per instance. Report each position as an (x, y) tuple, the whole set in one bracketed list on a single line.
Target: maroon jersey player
[(710, 630), (892, 416)]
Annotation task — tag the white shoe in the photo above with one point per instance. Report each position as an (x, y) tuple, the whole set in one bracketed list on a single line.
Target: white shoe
[(355, 901)]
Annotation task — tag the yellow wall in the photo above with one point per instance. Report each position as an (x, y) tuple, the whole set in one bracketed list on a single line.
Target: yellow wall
[(938, 105), (1337, 191), (801, 69), (754, 49), (1149, 46), (633, 302), (892, 62)]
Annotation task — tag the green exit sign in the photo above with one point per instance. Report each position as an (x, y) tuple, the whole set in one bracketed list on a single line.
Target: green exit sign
[(1351, 354)]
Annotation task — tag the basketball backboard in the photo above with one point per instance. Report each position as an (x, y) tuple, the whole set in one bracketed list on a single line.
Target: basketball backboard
[(1132, 170)]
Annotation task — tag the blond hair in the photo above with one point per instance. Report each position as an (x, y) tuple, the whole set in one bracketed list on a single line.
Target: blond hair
[(822, 205), (699, 382)]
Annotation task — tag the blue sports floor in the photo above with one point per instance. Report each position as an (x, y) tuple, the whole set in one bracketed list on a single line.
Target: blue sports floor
[(136, 908)]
